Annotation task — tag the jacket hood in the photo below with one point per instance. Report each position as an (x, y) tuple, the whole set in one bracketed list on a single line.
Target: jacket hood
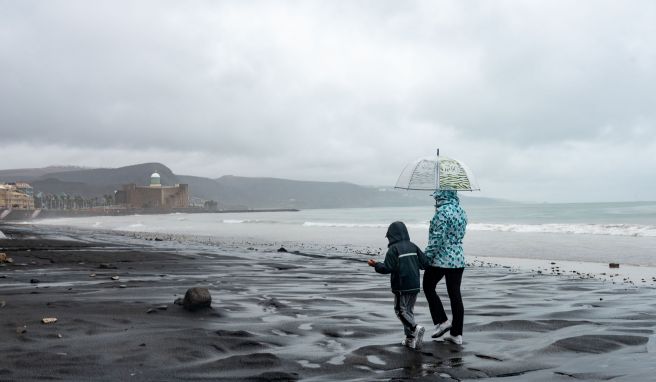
[(443, 197), (396, 232)]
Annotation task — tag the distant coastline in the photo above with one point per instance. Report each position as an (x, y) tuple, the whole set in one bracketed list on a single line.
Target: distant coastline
[(24, 214)]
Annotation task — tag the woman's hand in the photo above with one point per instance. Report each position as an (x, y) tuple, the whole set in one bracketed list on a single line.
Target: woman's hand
[(372, 262)]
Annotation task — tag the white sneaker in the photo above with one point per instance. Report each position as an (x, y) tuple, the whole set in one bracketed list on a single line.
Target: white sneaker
[(453, 339), (441, 329), (408, 342), (419, 337)]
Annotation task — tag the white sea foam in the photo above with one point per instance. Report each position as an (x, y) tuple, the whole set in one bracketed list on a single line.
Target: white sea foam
[(232, 221), (251, 221), (360, 225), (582, 229), (345, 225)]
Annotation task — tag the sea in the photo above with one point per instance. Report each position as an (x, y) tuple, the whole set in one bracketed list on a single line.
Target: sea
[(589, 232)]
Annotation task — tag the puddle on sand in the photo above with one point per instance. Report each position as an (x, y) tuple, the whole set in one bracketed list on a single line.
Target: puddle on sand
[(308, 364), (337, 360), (375, 360)]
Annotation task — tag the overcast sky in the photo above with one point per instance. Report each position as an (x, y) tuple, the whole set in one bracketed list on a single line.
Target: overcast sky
[(545, 101)]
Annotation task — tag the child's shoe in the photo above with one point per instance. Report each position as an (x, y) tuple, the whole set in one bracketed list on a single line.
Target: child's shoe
[(441, 329), (408, 342), (419, 336)]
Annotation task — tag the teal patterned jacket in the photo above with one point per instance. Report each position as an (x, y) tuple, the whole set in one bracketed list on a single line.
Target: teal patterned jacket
[(447, 229)]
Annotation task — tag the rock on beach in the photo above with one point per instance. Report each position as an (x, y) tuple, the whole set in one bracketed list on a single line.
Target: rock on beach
[(197, 298)]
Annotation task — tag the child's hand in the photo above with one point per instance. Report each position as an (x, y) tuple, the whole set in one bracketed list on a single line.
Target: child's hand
[(372, 262)]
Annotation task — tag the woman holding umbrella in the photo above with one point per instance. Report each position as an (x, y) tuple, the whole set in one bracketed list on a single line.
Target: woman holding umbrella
[(446, 256), (445, 176)]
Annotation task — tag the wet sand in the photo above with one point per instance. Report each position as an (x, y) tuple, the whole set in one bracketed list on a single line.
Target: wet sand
[(308, 314)]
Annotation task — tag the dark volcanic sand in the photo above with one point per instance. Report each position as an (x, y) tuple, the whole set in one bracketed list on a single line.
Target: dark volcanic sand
[(296, 316)]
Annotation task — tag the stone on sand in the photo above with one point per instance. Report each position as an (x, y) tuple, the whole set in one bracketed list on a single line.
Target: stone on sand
[(197, 298), (49, 320)]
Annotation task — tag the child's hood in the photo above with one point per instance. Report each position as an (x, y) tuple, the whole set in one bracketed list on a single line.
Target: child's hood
[(396, 232)]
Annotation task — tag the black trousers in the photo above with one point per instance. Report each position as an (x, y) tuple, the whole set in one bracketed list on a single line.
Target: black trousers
[(453, 277)]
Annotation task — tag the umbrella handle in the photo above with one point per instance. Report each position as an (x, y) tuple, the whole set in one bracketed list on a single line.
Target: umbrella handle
[(437, 171)]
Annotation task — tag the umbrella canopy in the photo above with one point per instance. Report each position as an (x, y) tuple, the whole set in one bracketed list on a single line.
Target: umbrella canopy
[(423, 174)]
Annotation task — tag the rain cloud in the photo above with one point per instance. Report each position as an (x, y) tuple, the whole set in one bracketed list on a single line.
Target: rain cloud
[(545, 101)]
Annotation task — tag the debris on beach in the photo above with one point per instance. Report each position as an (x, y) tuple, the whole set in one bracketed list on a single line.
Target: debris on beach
[(161, 307), (92, 275), (5, 259), (197, 298), (21, 330), (613, 265), (282, 249), (272, 303), (35, 281), (106, 266), (49, 320), (115, 278)]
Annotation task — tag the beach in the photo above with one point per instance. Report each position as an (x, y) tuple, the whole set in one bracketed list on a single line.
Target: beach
[(315, 312)]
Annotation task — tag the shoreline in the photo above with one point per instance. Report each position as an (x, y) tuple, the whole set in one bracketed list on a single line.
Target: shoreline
[(629, 274), (17, 215), (312, 313)]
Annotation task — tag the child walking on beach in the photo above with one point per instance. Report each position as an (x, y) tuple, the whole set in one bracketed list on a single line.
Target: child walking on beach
[(403, 260)]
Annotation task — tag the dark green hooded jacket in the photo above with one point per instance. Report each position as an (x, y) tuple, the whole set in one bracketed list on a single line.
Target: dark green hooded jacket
[(403, 260)]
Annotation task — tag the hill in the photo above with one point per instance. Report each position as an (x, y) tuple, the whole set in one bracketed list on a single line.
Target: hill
[(28, 174), (231, 192)]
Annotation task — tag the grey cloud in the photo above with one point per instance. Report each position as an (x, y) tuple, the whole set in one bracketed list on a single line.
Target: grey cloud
[(330, 89)]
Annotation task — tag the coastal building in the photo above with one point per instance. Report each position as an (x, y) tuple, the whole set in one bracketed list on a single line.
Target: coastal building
[(16, 196), (155, 195)]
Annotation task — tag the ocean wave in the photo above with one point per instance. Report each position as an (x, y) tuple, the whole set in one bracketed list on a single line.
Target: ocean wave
[(584, 229), (249, 221), (360, 225), (344, 225), (232, 221)]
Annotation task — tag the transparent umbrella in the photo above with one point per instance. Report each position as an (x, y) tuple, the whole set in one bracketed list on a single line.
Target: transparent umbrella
[(437, 173)]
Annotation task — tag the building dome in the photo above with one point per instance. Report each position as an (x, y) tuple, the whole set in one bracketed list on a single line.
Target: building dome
[(155, 180)]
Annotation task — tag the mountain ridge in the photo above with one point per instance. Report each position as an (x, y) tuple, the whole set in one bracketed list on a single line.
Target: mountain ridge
[(229, 191)]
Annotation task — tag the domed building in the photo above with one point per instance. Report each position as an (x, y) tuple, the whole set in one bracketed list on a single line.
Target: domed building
[(155, 180), (154, 195)]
